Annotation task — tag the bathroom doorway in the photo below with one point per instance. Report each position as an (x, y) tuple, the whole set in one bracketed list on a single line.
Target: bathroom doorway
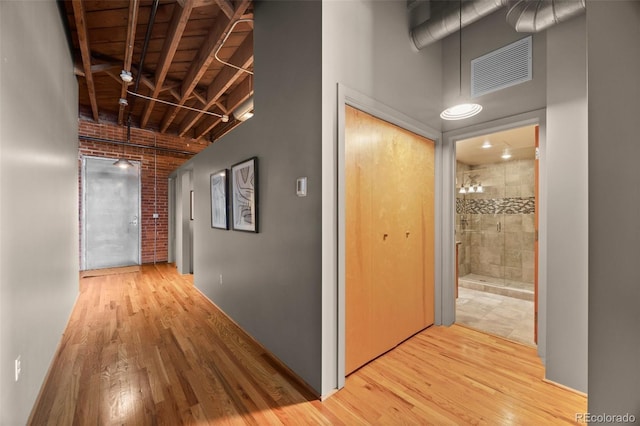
[(496, 232)]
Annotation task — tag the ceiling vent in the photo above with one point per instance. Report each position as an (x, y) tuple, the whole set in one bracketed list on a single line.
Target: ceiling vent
[(505, 67)]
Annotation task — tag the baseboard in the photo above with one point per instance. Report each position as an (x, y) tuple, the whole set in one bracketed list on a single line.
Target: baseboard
[(301, 385), (567, 388)]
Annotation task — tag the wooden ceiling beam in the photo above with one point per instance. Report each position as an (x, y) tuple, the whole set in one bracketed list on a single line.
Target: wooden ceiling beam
[(78, 70), (198, 3), (243, 58), (204, 58), (175, 94), (222, 107), (241, 93), (226, 7), (174, 35), (199, 97), (132, 23), (103, 67), (83, 41)]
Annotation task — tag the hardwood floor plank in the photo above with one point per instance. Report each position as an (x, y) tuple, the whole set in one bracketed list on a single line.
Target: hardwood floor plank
[(147, 348)]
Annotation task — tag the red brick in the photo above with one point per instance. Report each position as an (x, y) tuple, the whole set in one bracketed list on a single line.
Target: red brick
[(165, 163)]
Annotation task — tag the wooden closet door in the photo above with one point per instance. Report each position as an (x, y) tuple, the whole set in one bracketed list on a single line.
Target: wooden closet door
[(390, 236)]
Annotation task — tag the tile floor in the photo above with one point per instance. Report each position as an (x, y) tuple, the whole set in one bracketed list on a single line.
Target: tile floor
[(496, 314)]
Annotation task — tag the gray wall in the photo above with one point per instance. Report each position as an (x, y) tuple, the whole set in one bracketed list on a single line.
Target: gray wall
[(613, 30), (271, 280), (280, 299), (366, 48), (38, 197), (567, 205), (558, 84), (183, 243)]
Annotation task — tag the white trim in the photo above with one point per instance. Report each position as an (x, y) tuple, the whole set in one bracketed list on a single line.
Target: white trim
[(347, 96)]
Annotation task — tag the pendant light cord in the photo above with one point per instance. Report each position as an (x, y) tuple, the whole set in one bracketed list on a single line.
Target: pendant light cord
[(460, 50)]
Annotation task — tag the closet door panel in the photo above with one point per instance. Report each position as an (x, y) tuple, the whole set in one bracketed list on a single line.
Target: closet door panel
[(389, 236), (359, 180)]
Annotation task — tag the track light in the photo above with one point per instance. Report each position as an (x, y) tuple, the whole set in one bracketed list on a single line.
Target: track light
[(244, 111)]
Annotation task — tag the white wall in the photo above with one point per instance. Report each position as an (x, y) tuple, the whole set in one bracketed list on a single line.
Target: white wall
[(613, 32), (366, 48), (567, 205), (38, 197)]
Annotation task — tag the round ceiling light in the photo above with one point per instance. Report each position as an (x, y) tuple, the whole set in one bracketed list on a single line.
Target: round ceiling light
[(461, 111)]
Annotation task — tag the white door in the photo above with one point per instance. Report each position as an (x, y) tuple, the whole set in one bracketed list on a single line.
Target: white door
[(111, 214)]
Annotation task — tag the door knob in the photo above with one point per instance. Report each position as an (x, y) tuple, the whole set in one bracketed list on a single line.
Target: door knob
[(384, 236)]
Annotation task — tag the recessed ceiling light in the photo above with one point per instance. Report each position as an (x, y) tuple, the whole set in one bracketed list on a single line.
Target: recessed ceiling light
[(486, 145), (506, 155)]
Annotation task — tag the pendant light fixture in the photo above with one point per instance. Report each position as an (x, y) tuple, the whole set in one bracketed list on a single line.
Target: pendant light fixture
[(122, 162), (463, 109)]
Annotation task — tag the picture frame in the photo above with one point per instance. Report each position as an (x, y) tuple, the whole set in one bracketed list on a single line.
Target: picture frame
[(244, 193), (219, 199)]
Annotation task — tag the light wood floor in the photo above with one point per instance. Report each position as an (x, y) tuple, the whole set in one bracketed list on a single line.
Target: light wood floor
[(147, 348)]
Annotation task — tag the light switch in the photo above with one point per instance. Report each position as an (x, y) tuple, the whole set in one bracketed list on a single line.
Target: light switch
[(301, 187)]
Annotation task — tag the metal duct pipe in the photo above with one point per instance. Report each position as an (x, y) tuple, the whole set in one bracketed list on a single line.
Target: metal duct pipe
[(535, 16), (448, 21)]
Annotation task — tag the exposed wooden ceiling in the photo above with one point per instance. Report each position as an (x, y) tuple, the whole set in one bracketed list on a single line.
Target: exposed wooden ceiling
[(179, 65)]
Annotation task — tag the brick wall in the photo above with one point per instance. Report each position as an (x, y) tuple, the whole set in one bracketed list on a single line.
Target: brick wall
[(155, 170)]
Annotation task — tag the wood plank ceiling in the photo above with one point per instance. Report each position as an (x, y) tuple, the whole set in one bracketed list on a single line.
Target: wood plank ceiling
[(179, 65)]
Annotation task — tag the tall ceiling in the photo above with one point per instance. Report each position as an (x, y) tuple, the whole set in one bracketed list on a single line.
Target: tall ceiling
[(179, 65)]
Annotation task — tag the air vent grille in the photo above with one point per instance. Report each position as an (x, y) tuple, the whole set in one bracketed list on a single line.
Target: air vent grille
[(505, 67)]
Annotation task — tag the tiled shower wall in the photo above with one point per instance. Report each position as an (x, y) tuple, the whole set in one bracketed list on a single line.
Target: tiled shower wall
[(496, 228)]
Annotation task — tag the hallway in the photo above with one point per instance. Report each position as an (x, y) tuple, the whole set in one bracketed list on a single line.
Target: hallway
[(147, 348)]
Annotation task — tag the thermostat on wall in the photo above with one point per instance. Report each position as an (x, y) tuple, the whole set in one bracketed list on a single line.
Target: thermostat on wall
[(301, 187)]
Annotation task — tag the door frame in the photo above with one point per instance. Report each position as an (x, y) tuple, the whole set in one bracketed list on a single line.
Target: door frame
[(537, 117), (347, 96), (83, 214)]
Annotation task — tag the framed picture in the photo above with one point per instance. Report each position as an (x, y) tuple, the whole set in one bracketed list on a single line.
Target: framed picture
[(244, 191), (219, 197)]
